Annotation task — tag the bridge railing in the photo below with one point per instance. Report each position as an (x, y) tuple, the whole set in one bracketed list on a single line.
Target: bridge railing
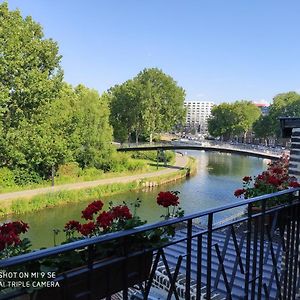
[(214, 144), (252, 257)]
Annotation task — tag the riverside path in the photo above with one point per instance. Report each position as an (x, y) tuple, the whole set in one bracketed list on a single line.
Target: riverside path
[(181, 162)]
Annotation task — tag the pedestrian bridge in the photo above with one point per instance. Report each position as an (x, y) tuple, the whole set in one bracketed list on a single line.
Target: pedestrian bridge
[(242, 149)]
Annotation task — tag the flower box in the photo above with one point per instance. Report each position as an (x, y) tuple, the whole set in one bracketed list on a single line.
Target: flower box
[(102, 281), (284, 217), (111, 270)]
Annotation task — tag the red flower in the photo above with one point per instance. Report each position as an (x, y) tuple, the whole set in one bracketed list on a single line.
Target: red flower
[(73, 225), (294, 184), (167, 199), (6, 228), (105, 219), (91, 209), (20, 227), (247, 178), (87, 229), (9, 233), (121, 212), (16, 227), (260, 177), (277, 170), (274, 181), (239, 192)]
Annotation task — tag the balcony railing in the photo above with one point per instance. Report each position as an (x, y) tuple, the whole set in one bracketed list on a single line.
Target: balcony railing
[(255, 256)]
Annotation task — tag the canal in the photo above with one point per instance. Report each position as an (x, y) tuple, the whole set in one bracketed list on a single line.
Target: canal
[(218, 176)]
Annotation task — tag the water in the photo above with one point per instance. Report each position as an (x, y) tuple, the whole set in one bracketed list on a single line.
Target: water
[(219, 175)]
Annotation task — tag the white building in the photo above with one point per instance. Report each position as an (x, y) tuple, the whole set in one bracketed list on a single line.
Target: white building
[(197, 113)]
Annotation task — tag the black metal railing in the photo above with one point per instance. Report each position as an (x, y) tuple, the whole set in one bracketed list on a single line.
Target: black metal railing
[(255, 256)]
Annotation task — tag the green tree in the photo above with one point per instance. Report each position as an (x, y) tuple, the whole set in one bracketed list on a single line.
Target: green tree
[(30, 74), (222, 121), (232, 119), (149, 103), (45, 122), (30, 79), (246, 114), (284, 105), (90, 141), (126, 110), (162, 101), (263, 127)]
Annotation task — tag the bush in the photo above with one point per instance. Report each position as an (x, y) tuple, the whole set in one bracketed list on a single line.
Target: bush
[(26, 177), (170, 156), (70, 169), (7, 178), (152, 155), (122, 162), (134, 165), (91, 173)]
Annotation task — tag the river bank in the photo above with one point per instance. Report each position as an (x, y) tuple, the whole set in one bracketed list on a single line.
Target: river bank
[(218, 176), (33, 200)]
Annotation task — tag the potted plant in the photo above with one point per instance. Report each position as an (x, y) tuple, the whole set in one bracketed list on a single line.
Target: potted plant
[(274, 179)]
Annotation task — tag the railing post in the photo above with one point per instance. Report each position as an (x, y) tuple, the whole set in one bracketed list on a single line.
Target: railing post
[(248, 250), (199, 266), (188, 260), (295, 275), (286, 261), (209, 249), (291, 262), (257, 221), (124, 269), (261, 249)]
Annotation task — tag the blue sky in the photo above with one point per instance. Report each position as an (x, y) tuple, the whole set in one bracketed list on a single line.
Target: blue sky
[(216, 50)]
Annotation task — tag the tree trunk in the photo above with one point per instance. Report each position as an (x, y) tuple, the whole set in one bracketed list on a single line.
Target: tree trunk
[(136, 137), (52, 175), (245, 137), (150, 138)]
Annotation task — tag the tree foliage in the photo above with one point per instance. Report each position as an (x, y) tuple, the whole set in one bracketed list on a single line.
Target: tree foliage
[(232, 119), (30, 74), (90, 134), (222, 121), (283, 105), (162, 101), (152, 102), (45, 122), (126, 110), (263, 127)]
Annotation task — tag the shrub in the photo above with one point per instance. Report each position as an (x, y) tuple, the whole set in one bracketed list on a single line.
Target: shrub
[(91, 173), (133, 165), (7, 178), (123, 162), (152, 155), (26, 177), (70, 169)]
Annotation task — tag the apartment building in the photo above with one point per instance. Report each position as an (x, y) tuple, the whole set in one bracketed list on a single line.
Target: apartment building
[(197, 113)]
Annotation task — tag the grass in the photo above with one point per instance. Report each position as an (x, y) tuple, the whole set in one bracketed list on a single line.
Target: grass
[(22, 205), (150, 168)]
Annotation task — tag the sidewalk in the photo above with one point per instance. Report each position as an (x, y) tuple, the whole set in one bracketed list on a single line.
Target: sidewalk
[(180, 162)]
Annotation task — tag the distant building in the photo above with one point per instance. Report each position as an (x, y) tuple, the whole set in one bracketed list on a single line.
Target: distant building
[(197, 113), (264, 108)]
